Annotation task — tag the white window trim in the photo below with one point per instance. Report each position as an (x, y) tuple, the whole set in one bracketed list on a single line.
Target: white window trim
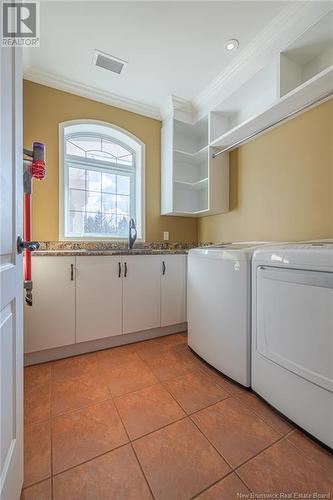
[(140, 183)]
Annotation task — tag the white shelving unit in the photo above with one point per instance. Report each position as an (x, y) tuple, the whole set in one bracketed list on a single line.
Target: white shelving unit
[(193, 183)]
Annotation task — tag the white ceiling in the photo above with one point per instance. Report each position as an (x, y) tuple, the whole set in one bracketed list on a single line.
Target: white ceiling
[(171, 47)]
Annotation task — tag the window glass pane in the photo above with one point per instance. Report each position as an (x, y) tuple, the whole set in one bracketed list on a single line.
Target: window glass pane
[(122, 225), (93, 222), (76, 222), (76, 178), (109, 183), (109, 224), (114, 149), (72, 149), (93, 201), (125, 160), (94, 180), (123, 205), (123, 185), (100, 155), (87, 143), (100, 198), (109, 203), (76, 199)]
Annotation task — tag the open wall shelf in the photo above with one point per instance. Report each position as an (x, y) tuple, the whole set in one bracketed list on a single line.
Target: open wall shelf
[(193, 183)]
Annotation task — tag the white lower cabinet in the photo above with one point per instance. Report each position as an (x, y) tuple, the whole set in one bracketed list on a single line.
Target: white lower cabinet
[(173, 289), (79, 299), (98, 297), (141, 292), (50, 322)]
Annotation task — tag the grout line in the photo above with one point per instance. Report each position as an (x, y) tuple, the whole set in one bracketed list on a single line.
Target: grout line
[(143, 472), (212, 444), (212, 484), (89, 460), (159, 429), (130, 442)]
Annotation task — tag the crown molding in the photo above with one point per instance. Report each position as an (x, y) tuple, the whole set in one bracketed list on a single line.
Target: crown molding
[(74, 87), (179, 108), (287, 26)]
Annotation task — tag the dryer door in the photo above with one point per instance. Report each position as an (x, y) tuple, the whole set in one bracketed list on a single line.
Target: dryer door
[(295, 322)]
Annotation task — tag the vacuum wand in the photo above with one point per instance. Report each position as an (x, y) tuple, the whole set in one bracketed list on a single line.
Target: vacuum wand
[(33, 168)]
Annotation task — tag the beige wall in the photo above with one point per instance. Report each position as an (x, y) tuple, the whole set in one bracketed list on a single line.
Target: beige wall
[(44, 109), (281, 184)]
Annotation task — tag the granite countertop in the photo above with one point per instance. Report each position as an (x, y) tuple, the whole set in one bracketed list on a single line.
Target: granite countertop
[(89, 252), (73, 248)]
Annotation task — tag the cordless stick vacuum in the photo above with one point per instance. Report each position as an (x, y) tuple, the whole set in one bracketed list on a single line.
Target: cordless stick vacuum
[(33, 168)]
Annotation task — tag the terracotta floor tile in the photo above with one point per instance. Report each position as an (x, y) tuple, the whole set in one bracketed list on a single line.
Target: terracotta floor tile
[(74, 367), (266, 412), (229, 386), (283, 468), (185, 355), (147, 410), (128, 377), (37, 393), (256, 404), (151, 348), (76, 382), (178, 461), (166, 365), (83, 434), (113, 476), (229, 488), (37, 452), (195, 391), (177, 338), (40, 491), (234, 430), (312, 449), (116, 356)]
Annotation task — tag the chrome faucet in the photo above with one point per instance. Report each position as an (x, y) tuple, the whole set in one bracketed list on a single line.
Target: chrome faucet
[(132, 234)]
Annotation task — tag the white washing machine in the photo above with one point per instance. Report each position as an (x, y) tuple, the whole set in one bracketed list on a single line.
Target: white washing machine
[(292, 333), (219, 305)]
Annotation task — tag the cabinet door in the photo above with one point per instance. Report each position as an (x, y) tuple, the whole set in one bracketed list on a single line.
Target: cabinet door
[(50, 322), (141, 292), (173, 289), (98, 297)]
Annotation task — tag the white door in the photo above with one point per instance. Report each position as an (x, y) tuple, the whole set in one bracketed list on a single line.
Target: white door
[(11, 276), (98, 297), (173, 289), (141, 292), (50, 322)]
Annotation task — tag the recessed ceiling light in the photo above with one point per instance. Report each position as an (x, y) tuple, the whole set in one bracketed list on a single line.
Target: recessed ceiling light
[(232, 44)]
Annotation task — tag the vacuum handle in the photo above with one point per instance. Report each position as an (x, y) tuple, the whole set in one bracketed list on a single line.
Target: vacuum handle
[(22, 245)]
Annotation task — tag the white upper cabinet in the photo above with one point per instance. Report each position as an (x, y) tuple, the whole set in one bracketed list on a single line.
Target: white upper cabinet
[(50, 322), (98, 297), (193, 183), (173, 289), (141, 292)]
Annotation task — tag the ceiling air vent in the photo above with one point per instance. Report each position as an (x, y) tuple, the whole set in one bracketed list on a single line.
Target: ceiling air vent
[(111, 63)]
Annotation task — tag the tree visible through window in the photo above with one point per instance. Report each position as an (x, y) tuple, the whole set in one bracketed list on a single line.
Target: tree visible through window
[(101, 166)]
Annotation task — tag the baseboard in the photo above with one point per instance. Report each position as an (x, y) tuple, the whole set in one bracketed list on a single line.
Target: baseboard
[(33, 358)]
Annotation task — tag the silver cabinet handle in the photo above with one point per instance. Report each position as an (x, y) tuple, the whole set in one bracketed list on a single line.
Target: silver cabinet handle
[(72, 272)]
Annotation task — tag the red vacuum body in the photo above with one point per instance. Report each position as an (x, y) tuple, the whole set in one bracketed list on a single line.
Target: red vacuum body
[(34, 168)]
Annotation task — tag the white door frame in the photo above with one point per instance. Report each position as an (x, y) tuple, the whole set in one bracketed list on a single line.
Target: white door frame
[(11, 275)]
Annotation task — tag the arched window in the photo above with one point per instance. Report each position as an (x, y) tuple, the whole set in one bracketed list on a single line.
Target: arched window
[(102, 181)]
